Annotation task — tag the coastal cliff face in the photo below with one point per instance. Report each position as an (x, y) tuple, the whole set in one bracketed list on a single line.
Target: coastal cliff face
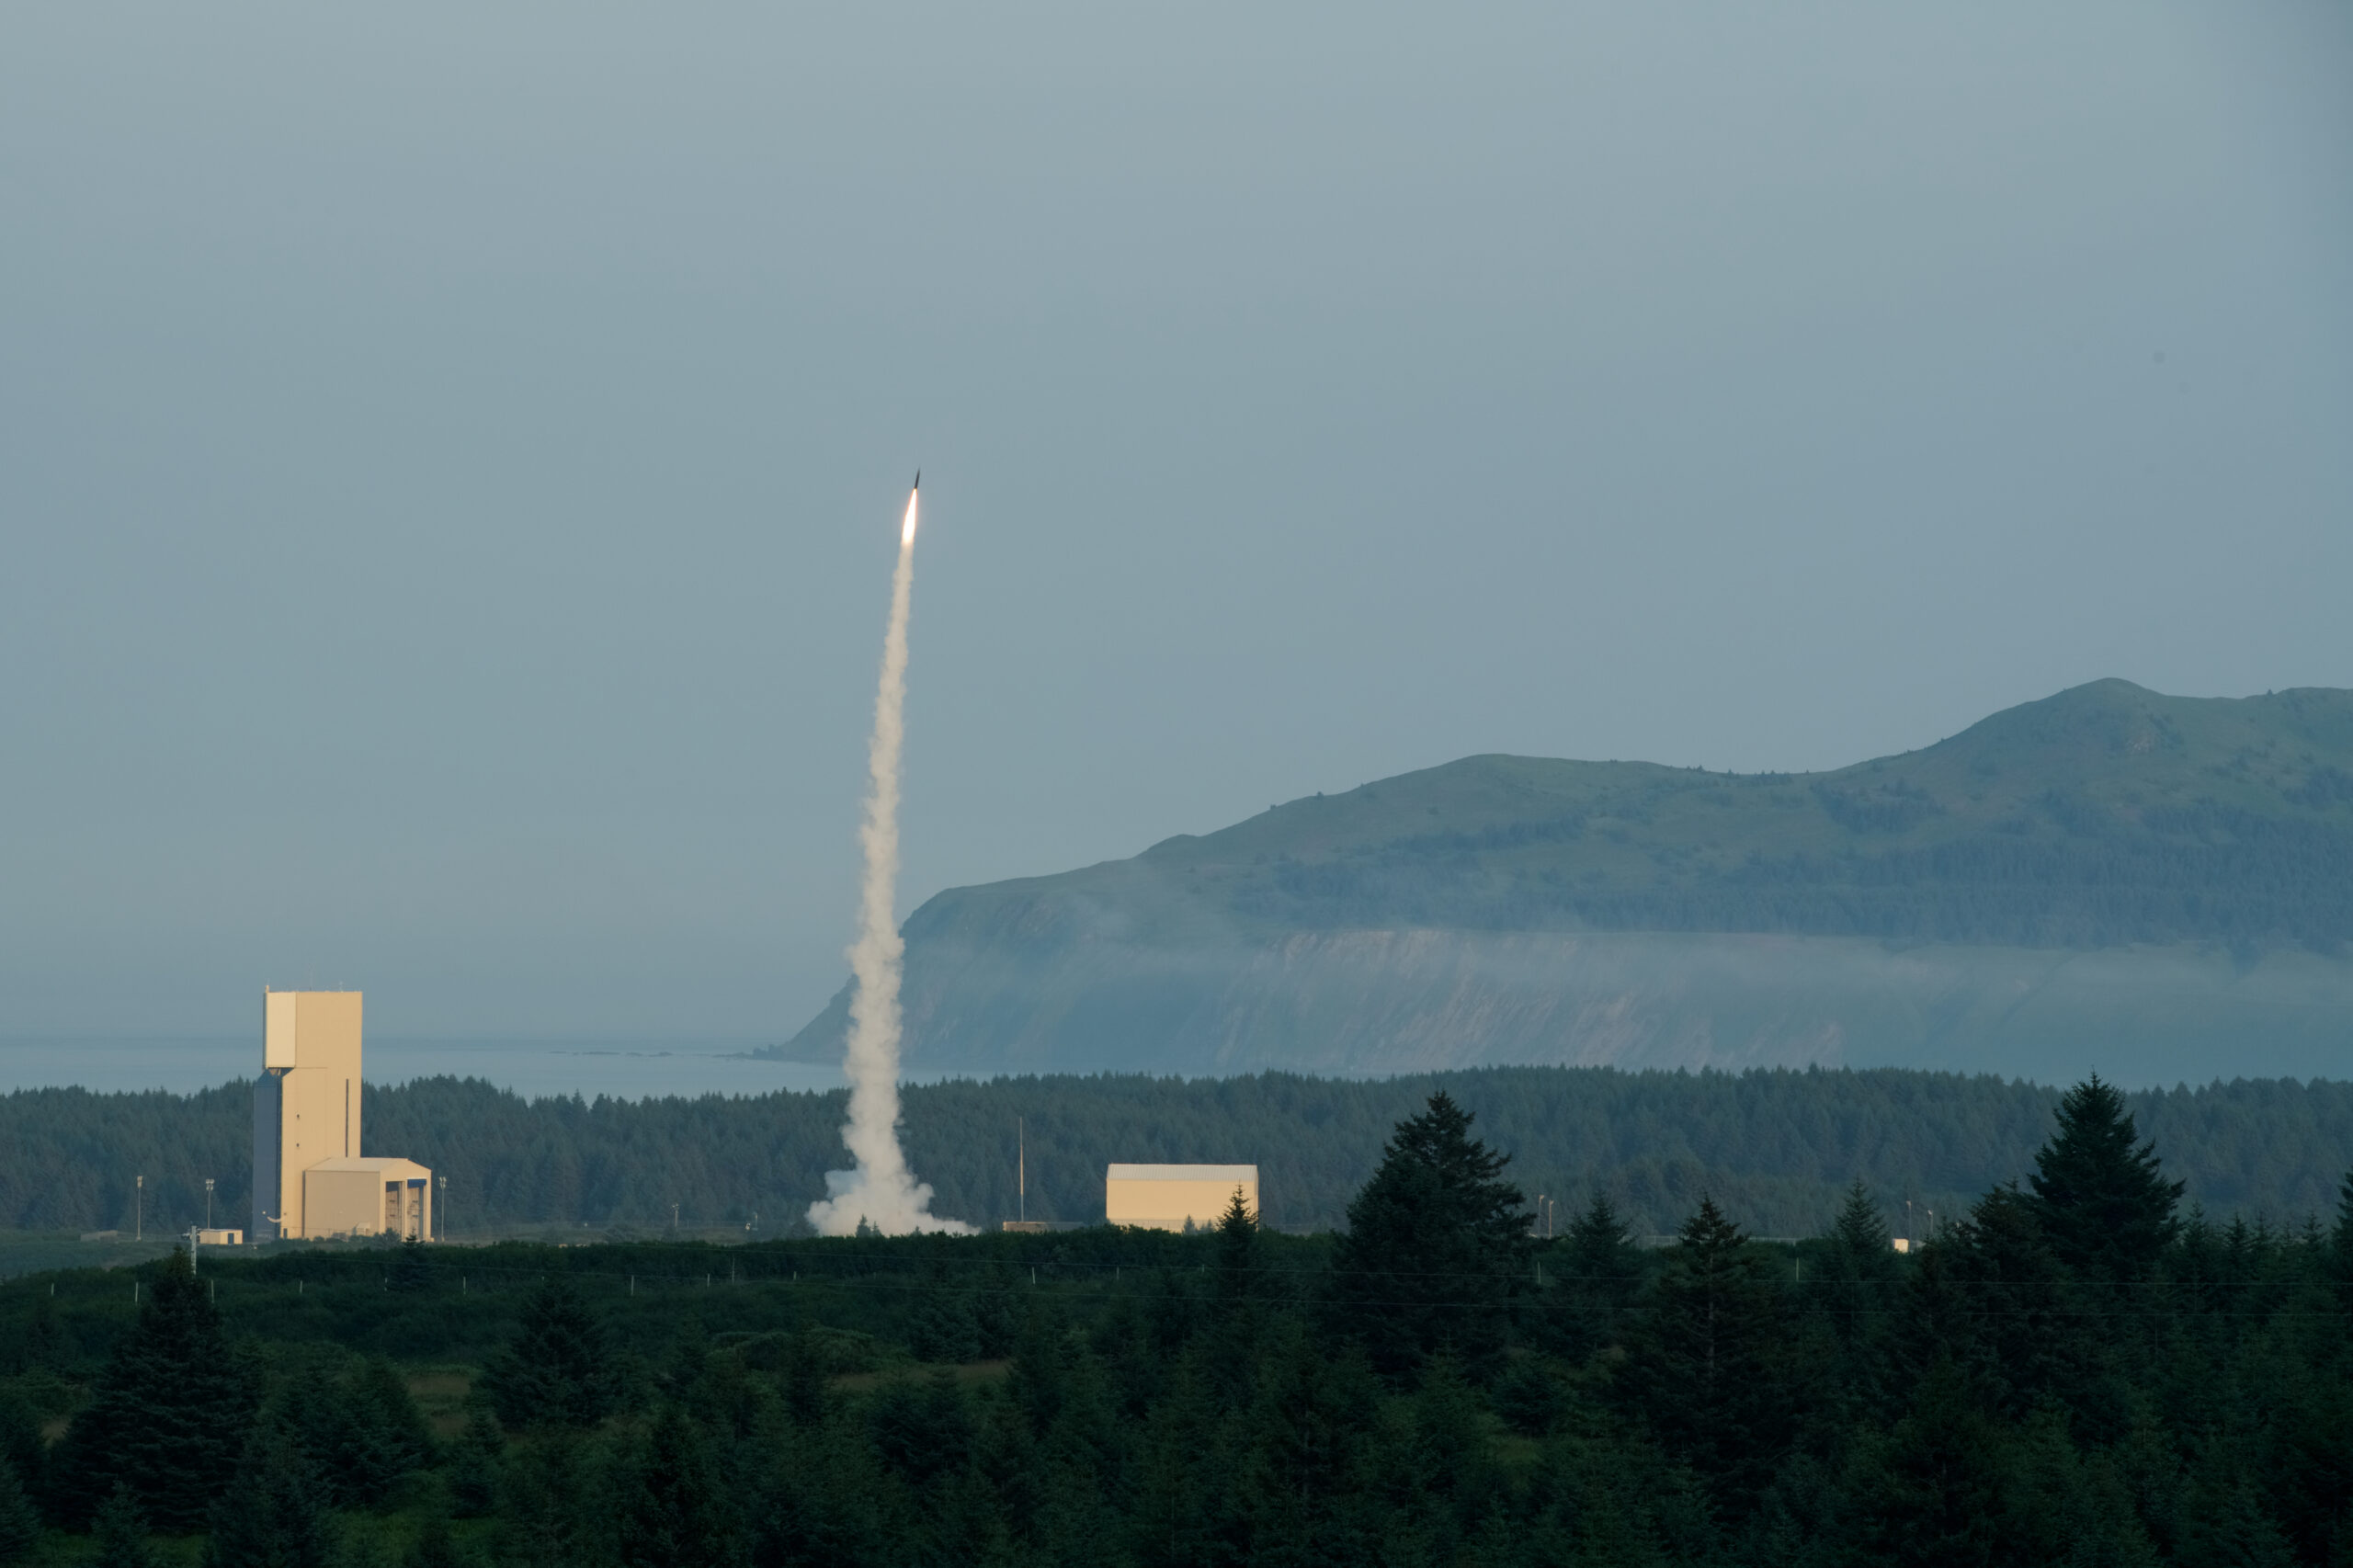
[(2156, 887)]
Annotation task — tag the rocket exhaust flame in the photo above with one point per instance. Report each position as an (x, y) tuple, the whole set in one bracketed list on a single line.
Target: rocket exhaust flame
[(881, 1191)]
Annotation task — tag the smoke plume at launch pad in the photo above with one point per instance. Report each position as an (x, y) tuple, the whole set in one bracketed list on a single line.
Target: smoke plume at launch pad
[(879, 1190)]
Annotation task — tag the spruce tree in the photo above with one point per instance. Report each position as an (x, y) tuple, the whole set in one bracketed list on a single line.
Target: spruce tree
[(1931, 1489), (44, 1348), (1237, 1252), (922, 1429), (1709, 1371), (555, 1371), (433, 1547), (672, 1513), (1528, 1396), (474, 1465), (409, 1270), (945, 1328), (2105, 1206), (1598, 1265), (20, 1524), (169, 1414), (994, 1311), (1437, 1247), (1299, 1448), (119, 1532), (275, 1514), (545, 1507), (21, 1448), (1863, 1272), (381, 1399), (2341, 1238), (343, 1450)]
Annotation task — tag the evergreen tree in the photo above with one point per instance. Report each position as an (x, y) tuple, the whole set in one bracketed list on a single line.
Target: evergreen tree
[(1931, 1490), (921, 1429), (1435, 1247), (555, 1372), (545, 1508), (2226, 1525), (2307, 1465), (993, 1311), (341, 1447), (169, 1413), (2105, 1206), (381, 1398), (1237, 1252), (672, 1513), (20, 1524), (1596, 1269), (1992, 1292), (945, 1328), (21, 1448), (1709, 1372), (807, 1395), (1528, 1397), (1861, 1231), (474, 1466), (119, 1532), (1432, 1464), (1038, 1379), (1862, 1266), (409, 1269), (275, 1514), (1183, 1511), (433, 1547), (1301, 1444), (2341, 1238), (44, 1348)]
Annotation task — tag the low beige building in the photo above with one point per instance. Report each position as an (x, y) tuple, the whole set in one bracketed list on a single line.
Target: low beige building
[(367, 1196), (1168, 1197)]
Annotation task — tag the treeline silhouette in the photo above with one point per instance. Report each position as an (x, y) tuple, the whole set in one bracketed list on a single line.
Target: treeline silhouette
[(2069, 874), (1779, 1147), (2074, 1370)]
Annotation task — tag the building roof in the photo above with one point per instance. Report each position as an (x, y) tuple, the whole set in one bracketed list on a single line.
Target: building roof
[(382, 1165), (1184, 1172)]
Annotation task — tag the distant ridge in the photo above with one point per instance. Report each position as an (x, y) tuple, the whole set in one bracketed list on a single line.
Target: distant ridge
[(2157, 886)]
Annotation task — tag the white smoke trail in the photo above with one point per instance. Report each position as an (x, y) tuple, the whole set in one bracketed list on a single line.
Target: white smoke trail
[(881, 1191)]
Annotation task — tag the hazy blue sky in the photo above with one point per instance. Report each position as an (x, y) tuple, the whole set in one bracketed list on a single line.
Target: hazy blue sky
[(450, 456)]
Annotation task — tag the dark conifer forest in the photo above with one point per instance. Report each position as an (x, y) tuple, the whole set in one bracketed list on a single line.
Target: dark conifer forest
[(1777, 1147), (2079, 1366)]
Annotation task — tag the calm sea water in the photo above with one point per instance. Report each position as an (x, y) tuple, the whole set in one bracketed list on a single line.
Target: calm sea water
[(536, 1069)]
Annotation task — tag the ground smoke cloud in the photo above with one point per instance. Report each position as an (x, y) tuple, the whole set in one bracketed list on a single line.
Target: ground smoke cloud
[(881, 1191)]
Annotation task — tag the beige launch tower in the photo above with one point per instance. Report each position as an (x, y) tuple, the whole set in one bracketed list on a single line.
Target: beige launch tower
[(310, 1179)]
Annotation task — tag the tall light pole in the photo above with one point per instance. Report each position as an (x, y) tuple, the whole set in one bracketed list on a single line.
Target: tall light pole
[(137, 1207), (208, 1203), (441, 1214)]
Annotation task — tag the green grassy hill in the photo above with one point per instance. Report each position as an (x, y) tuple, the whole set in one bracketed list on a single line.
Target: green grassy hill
[(2108, 866)]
